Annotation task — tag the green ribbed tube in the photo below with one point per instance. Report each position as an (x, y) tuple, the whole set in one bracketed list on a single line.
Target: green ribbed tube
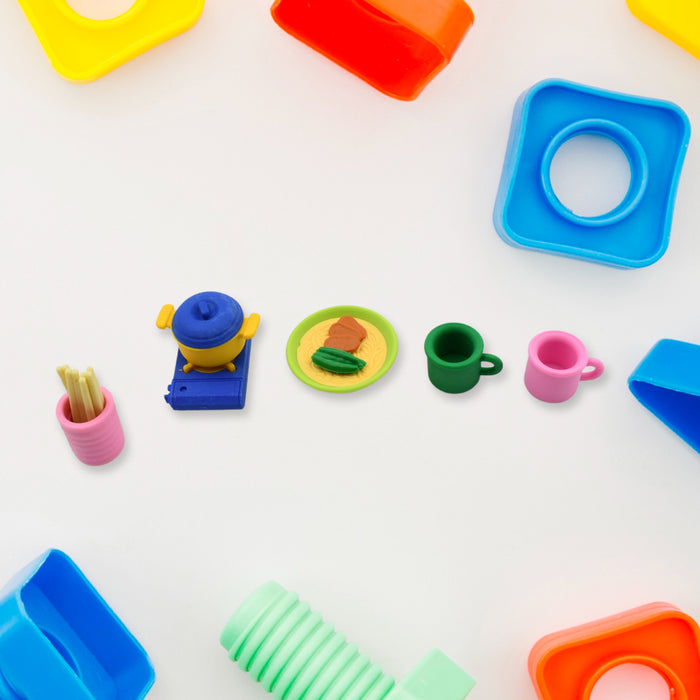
[(294, 654)]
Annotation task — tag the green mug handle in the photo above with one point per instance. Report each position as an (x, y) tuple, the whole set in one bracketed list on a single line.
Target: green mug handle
[(495, 361)]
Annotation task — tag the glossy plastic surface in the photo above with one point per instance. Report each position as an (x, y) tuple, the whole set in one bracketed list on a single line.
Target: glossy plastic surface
[(567, 665), (654, 136), (294, 654), (679, 20), (556, 363), (83, 49), (199, 391), (667, 382), (60, 640), (207, 319), (397, 46), (456, 355), (210, 330), (97, 441)]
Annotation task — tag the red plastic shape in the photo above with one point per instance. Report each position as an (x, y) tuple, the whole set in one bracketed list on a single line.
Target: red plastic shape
[(567, 665), (397, 46)]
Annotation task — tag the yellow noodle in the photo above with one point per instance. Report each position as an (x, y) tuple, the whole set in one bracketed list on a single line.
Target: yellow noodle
[(62, 374), (76, 408), (85, 398), (98, 400), (84, 393)]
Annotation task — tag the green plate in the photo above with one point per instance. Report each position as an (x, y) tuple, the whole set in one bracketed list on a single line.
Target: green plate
[(358, 312)]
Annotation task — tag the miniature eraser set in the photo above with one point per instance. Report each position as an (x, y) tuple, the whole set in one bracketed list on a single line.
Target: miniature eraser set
[(59, 639)]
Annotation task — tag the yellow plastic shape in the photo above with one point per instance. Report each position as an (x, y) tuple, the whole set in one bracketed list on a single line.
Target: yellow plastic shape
[(83, 49), (678, 20)]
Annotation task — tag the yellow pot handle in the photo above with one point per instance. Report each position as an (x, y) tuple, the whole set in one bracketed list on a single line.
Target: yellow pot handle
[(165, 317), (250, 326)]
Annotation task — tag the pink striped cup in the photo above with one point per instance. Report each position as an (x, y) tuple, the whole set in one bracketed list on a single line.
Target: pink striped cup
[(97, 441)]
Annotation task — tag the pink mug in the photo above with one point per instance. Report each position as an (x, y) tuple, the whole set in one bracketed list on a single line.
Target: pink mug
[(555, 366)]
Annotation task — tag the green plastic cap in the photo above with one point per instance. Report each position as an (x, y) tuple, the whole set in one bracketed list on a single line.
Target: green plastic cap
[(436, 677), (250, 611)]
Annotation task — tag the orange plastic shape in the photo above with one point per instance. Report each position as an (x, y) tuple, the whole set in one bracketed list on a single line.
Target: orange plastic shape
[(397, 46), (567, 665)]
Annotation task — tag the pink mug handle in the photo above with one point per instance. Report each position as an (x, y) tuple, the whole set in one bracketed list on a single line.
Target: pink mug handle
[(597, 370)]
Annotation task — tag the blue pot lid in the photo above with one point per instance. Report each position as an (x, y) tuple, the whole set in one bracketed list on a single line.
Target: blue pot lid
[(207, 319)]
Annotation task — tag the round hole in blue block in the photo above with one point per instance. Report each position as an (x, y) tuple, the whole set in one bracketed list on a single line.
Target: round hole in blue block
[(632, 149)]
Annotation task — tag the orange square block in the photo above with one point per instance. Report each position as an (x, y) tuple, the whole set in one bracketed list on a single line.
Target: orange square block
[(397, 46), (567, 665)]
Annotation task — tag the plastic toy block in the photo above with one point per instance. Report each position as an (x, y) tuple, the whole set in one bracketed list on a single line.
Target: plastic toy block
[(294, 654), (83, 49), (678, 20), (59, 639), (198, 391), (654, 136), (667, 382), (567, 665), (397, 46)]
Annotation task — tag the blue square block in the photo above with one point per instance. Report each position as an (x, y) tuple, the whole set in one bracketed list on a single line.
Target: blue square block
[(654, 136), (59, 640), (199, 391), (667, 382)]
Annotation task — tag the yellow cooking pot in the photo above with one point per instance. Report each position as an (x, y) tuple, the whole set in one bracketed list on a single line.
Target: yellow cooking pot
[(210, 330)]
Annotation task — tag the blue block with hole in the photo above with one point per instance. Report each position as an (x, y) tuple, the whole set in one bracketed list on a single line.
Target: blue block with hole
[(654, 137), (667, 382), (59, 640)]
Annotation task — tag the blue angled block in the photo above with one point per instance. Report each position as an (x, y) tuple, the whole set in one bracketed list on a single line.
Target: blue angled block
[(654, 136), (667, 382), (198, 391), (59, 640)]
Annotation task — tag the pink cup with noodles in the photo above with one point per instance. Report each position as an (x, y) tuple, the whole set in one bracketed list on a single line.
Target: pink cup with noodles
[(557, 362), (97, 441)]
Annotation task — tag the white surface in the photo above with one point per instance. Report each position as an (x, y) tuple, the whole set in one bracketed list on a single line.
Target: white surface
[(234, 158)]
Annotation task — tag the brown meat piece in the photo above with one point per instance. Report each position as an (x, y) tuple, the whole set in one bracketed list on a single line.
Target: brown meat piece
[(349, 343), (347, 325)]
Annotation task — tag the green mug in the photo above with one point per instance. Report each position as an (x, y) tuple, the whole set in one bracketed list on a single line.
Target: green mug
[(455, 356)]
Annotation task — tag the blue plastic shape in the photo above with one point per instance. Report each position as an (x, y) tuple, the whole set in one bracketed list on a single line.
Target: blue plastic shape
[(59, 640), (667, 382), (654, 136), (199, 391), (207, 319)]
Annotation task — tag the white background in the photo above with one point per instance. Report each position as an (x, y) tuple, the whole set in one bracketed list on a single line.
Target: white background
[(234, 158)]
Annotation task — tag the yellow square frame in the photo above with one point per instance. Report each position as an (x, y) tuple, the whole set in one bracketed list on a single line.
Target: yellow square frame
[(679, 20), (83, 49)]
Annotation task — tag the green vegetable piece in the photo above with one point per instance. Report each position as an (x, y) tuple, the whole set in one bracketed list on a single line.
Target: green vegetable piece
[(337, 361)]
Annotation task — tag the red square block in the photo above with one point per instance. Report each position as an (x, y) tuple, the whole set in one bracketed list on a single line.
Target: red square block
[(397, 46), (567, 665)]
